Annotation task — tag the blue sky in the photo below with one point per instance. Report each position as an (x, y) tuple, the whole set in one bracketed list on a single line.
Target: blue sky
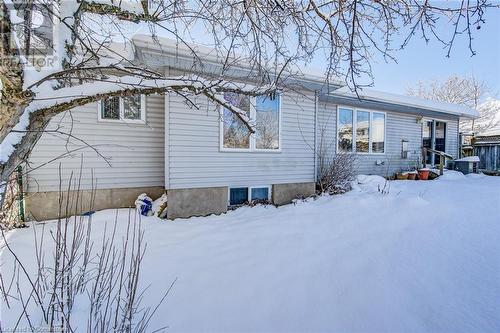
[(421, 61)]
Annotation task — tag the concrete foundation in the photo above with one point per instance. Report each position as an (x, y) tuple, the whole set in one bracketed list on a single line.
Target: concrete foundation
[(183, 203), (42, 206), (285, 193)]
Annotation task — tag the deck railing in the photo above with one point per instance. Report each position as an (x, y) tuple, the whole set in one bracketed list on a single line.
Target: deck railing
[(442, 158)]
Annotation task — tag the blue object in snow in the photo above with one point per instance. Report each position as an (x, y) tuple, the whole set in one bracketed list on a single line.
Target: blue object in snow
[(146, 207), (144, 204)]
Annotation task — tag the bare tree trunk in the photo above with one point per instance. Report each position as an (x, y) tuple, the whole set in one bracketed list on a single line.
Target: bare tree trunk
[(13, 99)]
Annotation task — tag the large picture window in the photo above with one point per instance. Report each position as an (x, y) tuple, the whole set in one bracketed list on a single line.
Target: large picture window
[(360, 131), (264, 114), (129, 109)]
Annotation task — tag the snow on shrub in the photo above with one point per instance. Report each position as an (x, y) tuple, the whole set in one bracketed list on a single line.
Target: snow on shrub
[(336, 175)]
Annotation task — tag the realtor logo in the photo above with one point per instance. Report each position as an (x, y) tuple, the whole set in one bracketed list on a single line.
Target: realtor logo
[(32, 31)]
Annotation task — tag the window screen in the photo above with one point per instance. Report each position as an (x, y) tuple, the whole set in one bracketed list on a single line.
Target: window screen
[(236, 134), (267, 122), (132, 107), (260, 193), (378, 133), (238, 195), (110, 108), (362, 131), (345, 130)]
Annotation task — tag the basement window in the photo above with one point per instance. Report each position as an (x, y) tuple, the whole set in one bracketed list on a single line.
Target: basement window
[(259, 193), (241, 195), (128, 109), (238, 195)]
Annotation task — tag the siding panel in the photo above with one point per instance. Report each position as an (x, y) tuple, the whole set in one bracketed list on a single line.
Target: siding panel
[(452, 137), (134, 151), (398, 127), (195, 159)]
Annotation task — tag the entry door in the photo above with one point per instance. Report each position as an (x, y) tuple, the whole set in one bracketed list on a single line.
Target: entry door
[(427, 141), (440, 135), (434, 137)]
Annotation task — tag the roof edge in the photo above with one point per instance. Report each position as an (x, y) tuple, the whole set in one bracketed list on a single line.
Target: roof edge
[(416, 102), (169, 47)]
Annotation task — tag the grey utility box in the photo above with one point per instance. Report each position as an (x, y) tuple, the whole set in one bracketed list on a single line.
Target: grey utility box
[(467, 164)]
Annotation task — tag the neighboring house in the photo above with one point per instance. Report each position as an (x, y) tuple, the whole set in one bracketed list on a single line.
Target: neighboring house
[(486, 146), (206, 162)]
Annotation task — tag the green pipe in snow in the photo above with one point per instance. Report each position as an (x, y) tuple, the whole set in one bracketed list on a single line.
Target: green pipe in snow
[(20, 197)]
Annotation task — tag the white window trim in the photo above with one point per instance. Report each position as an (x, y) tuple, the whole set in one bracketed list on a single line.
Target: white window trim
[(264, 186), (354, 129), (142, 120), (249, 192), (252, 144)]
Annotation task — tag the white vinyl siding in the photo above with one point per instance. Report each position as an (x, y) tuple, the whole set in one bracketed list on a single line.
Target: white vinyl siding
[(399, 126), (194, 157), (327, 130), (452, 137), (134, 150), (188, 155)]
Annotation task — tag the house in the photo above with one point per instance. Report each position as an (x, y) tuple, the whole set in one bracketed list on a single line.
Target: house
[(486, 146), (205, 162)]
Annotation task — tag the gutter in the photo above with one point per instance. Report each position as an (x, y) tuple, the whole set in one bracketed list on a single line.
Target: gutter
[(402, 100), (391, 106)]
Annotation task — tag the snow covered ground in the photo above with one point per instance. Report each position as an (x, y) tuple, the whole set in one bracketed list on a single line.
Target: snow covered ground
[(423, 258)]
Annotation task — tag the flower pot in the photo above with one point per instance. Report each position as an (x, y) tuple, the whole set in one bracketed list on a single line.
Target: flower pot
[(423, 174), (401, 176), (412, 176)]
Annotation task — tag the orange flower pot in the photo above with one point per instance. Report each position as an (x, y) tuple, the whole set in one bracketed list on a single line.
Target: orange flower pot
[(412, 176), (401, 176), (423, 174)]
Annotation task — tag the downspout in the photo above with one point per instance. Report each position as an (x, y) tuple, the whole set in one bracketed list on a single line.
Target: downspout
[(166, 136), (316, 100)]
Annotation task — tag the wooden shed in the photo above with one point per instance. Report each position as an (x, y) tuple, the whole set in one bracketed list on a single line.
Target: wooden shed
[(487, 146)]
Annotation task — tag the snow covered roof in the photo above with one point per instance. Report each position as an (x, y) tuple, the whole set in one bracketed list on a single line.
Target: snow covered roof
[(184, 53), (489, 123), (185, 50), (468, 159), (371, 94), (490, 132), (161, 51)]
